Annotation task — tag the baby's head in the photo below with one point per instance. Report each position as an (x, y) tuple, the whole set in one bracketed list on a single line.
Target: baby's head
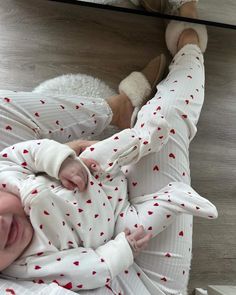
[(15, 229)]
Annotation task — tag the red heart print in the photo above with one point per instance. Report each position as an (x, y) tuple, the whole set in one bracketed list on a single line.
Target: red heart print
[(109, 197), (190, 77), (150, 228), (101, 233), (191, 96), (134, 183), (172, 131), (80, 286), (150, 212), (37, 267), (171, 155), (142, 125), (42, 101), (197, 208), (11, 291), (168, 216), (77, 107), (8, 127), (167, 255), (34, 192), (187, 101), (45, 212), (68, 286), (115, 150), (24, 164), (126, 271), (96, 215), (145, 142), (158, 108), (4, 155), (7, 99), (164, 279), (94, 272), (58, 259), (25, 151), (156, 205), (92, 149), (184, 116), (181, 233), (76, 263), (155, 168), (116, 138), (4, 185), (57, 122), (36, 114), (89, 201), (41, 226), (121, 214), (102, 260), (62, 106), (39, 253), (110, 164)]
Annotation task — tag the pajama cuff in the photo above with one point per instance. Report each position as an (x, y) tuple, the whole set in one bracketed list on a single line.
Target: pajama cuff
[(117, 254), (51, 155)]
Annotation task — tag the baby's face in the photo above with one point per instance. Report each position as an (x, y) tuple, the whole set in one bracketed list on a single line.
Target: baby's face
[(15, 230)]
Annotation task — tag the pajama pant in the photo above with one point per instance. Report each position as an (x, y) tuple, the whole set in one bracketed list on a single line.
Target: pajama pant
[(165, 264)]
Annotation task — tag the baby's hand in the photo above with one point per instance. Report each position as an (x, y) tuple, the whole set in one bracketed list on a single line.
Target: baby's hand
[(72, 174), (80, 145), (138, 240)]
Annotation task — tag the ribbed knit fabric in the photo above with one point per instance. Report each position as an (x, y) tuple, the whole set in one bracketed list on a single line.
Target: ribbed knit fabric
[(164, 267)]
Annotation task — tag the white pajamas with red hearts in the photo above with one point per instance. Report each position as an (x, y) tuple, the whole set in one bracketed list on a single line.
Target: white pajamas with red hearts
[(165, 265)]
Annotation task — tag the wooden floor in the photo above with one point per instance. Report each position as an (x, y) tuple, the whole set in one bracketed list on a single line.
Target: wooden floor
[(41, 40)]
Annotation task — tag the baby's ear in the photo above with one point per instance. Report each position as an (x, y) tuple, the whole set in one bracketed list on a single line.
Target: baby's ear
[(92, 165)]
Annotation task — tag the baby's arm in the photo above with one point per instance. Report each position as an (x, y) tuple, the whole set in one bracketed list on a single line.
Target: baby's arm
[(129, 145), (27, 158), (77, 268)]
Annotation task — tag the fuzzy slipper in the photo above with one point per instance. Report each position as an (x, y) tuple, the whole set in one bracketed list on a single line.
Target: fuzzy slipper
[(141, 86), (174, 30)]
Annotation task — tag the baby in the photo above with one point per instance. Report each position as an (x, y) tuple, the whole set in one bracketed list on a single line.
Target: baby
[(63, 217)]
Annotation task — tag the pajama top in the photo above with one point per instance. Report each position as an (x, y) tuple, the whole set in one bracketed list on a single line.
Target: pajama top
[(73, 230), (72, 244)]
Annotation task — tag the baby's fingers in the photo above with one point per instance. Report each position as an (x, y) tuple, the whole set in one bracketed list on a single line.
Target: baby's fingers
[(79, 182), (143, 241), (68, 184)]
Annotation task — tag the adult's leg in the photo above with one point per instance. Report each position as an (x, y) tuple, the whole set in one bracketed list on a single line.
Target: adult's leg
[(26, 115), (180, 98)]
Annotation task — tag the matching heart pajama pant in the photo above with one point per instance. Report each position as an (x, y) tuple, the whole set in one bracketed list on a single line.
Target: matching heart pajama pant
[(163, 268)]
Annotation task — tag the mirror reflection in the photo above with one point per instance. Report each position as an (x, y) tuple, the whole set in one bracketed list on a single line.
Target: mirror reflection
[(210, 10)]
